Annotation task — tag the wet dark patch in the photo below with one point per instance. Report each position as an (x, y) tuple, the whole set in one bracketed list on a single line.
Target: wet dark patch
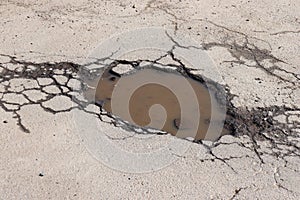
[(153, 93)]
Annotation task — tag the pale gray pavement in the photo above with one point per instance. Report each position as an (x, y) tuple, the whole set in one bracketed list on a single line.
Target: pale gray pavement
[(255, 46)]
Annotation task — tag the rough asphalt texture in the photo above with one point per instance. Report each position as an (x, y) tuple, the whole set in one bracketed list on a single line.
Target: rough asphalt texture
[(256, 48)]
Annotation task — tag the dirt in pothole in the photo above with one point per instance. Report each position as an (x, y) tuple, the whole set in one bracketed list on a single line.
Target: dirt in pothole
[(161, 107), (141, 103)]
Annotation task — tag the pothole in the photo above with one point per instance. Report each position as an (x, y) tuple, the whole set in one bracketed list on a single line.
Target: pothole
[(153, 102), (261, 123), (140, 97)]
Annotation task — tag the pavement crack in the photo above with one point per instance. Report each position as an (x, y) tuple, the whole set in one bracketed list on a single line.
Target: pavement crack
[(55, 82), (253, 53), (276, 175), (237, 191), (285, 32)]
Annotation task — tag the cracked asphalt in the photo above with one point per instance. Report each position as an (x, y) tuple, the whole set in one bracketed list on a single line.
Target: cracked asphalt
[(254, 47)]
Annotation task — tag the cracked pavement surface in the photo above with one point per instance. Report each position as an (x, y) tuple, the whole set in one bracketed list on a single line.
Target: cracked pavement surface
[(256, 50)]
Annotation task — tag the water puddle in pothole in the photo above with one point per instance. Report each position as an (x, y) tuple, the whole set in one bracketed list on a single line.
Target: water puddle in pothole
[(155, 105)]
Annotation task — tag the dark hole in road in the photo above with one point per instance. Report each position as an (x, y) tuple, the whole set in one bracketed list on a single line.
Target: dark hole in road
[(151, 94)]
